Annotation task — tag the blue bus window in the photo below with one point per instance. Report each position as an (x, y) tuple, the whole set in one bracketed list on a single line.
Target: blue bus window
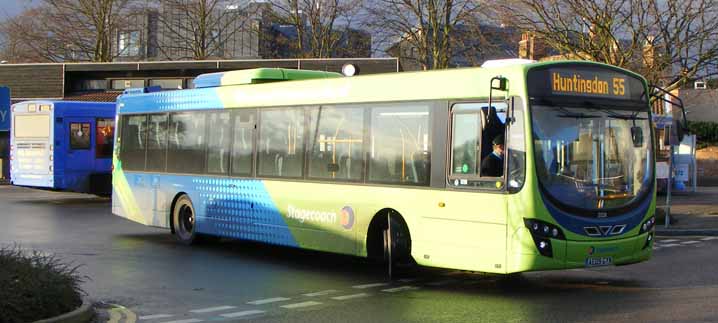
[(79, 135)]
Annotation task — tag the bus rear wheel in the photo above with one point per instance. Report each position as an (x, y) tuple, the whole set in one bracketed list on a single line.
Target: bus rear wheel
[(184, 220)]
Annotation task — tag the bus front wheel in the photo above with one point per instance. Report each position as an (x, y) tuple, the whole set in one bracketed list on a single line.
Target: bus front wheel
[(184, 220), (397, 246)]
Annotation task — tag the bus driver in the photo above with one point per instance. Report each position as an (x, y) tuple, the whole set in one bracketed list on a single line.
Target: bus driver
[(493, 164)]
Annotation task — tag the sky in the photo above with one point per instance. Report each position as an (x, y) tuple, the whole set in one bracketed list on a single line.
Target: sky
[(9, 8)]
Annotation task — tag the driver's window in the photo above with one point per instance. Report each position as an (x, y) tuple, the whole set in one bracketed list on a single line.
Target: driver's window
[(477, 143)]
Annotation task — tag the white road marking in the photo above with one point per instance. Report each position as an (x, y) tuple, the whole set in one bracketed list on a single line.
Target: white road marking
[(243, 313), (322, 293), (300, 305), (690, 242), (268, 300), (155, 316), (398, 289), (709, 238), (442, 282), (670, 240), (365, 286), (186, 321), (213, 309), (670, 245), (346, 297), (407, 280)]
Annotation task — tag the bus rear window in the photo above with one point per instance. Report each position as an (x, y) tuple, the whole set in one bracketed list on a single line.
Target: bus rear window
[(32, 126)]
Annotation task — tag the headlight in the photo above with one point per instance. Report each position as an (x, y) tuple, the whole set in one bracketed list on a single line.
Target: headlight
[(542, 233), (648, 225)]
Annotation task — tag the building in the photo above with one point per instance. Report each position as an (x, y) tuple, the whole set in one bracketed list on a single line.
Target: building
[(235, 31)]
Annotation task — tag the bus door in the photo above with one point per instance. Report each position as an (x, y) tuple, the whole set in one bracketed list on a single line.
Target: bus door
[(79, 161), (475, 204)]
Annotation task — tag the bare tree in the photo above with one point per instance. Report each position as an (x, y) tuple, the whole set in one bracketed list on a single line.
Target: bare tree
[(68, 30), (204, 29), (319, 24), (670, 42), (428, 27), (24, 40)]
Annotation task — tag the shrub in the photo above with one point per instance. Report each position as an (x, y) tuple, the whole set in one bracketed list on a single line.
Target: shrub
[(705, 131), (35, 286)]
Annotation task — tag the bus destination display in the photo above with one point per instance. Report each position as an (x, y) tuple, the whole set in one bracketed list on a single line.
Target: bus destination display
[(589, 83)]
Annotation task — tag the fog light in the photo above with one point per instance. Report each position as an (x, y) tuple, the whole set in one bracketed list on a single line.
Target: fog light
[(543, 244)]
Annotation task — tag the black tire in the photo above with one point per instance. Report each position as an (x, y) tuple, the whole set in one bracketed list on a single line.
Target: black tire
[(183, 220), (397, 247)]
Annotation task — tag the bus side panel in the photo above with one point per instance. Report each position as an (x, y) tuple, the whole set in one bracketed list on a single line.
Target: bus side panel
[(233, 208), (468, 232)]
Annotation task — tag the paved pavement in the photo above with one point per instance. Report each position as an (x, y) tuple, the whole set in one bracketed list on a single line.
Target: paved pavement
[(691, 213)]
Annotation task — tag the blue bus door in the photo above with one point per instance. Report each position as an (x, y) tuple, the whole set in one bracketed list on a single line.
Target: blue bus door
[(79, 162)]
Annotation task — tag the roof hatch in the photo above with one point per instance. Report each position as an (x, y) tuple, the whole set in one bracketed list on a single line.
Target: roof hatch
[(257, 76)]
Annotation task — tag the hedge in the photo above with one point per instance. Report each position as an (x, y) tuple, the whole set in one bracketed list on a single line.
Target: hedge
[(705, 131)]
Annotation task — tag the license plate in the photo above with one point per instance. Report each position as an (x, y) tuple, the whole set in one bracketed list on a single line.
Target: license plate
[(598, 261)]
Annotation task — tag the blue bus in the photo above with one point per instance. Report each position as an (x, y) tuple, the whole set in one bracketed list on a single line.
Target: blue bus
[(62, 145)]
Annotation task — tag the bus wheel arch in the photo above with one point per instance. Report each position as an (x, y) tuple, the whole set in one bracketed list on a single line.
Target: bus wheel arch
[(376, 241)]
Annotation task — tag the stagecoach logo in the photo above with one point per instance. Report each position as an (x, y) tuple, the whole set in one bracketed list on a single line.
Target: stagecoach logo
[(593, 250), (345, 218)]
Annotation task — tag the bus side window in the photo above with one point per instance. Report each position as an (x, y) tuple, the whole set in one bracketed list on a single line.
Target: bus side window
[(104, 134), (80, 135), (336, 141), (400, 144), (157, 142), (245, 125), (281, 142), (186, 150), (132, 143), (218, 142)]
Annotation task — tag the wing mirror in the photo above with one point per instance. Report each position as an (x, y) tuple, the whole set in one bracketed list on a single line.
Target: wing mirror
[(637, 136)]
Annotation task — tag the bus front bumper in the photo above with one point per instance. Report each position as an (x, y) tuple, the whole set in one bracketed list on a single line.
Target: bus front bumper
[(525, 256)]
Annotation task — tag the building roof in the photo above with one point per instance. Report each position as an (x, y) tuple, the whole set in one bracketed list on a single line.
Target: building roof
[(93, 96)]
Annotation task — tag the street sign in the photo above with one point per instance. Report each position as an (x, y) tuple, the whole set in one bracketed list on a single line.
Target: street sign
[(4, 108)]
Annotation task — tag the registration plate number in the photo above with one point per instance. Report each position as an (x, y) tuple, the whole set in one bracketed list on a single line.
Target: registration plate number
[(598, 261)]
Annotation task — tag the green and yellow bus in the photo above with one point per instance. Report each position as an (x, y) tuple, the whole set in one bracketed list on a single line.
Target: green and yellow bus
[(393, 166)]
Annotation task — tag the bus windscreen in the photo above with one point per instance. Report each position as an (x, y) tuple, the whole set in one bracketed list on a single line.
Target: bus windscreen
[(32, 126)]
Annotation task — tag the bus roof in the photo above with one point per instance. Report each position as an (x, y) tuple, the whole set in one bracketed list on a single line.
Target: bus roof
[(257, 76)]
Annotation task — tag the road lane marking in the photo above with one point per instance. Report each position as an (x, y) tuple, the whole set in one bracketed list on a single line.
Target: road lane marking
[(242, 313), (185, 321), (690, 242), (155, 316), (322, 293), (352, 296), (407, 280), (442, 282), (212, 309), (670, 240), (670, 245), (398, 289), (268, 300), (365, 286), (709, 238), (300, 305)]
